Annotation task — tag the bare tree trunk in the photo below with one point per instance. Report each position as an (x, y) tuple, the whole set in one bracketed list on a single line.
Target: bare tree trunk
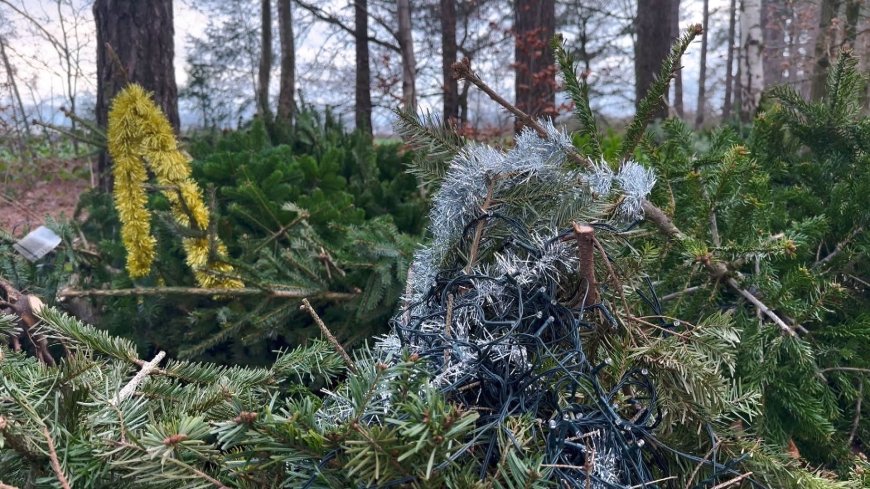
[(752, 67), (827, 11), (409, 63), (702, 75), (70, 74), (363, 111), (286, 102), (135, 44), (653, 28), (773, 21), (448, 57), (678, 80), (853, 12), (534, 63), (265, 59), (463, 104), (22, 126), (10, 78), (729, 63)]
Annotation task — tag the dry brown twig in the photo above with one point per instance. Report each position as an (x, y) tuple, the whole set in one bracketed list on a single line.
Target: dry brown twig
[(55, 463), (306, 306), (214, 291)]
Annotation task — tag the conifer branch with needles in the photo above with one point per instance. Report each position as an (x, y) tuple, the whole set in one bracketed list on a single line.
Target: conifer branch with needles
[(578, 90), (436, 140), (655, 96)]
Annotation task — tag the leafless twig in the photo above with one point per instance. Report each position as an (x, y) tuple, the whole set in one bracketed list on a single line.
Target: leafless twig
[(55, 463), (306, 306), (131, 386)]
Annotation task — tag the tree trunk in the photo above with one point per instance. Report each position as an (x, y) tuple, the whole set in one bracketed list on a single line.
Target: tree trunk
[(286, 102), (773, 21), (135, 44), (653, 29), (23, 134), (448, 57), (409, 64), (265, 59), (363, 110), (729, 63), (827, 12), (463, 104), (702, 73), (678, 80), (853, 13), (752, 68), (534, 63)]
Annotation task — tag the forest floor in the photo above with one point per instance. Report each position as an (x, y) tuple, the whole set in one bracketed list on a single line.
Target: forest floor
[(52, 190)]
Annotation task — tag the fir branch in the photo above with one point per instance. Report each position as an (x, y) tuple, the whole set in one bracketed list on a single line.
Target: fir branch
[(839, 248), (209, 292), (436, 140), (762, 307), (478, 231), (306, 306), (462, 70), (579, 93), (844, 84), (731, 482), (55, 463), (857, 419), (655, 96)]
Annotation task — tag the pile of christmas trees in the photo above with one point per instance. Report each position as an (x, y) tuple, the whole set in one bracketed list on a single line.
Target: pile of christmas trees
[(558, 329)]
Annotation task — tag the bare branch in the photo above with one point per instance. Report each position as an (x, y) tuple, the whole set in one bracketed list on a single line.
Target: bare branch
[(55, 463), (839, 248), (331, 19), (761, 307), (131, 386), (215, 291), (306, 306)]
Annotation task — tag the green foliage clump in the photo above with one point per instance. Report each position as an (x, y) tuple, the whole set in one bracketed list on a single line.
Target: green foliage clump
[(311, 209), (784, 207)]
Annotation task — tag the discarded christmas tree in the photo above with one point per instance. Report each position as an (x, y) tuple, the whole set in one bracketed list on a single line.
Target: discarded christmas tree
[(531, 350)]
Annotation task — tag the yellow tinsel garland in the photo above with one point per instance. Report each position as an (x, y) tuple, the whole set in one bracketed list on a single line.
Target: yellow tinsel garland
[(139, 134)]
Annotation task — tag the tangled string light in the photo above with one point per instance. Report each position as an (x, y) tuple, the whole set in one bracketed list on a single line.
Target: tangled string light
[(505, 335), (503, 340)]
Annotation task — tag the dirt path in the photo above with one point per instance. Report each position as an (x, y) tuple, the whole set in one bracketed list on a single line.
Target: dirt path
[(23, 209)]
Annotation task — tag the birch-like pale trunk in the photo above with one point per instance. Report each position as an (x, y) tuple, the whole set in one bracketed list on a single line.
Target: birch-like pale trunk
[(752, 59)]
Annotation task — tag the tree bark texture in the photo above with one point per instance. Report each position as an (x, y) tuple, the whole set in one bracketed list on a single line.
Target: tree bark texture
[(729, 63), (265, 70), (774, 15), (286, 95), (363, 110), (678, 80), (827, 12), (448, 57), (409, 63), (752, 66), (702, 70), (653, 30), (534, 63), (135, 44)]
